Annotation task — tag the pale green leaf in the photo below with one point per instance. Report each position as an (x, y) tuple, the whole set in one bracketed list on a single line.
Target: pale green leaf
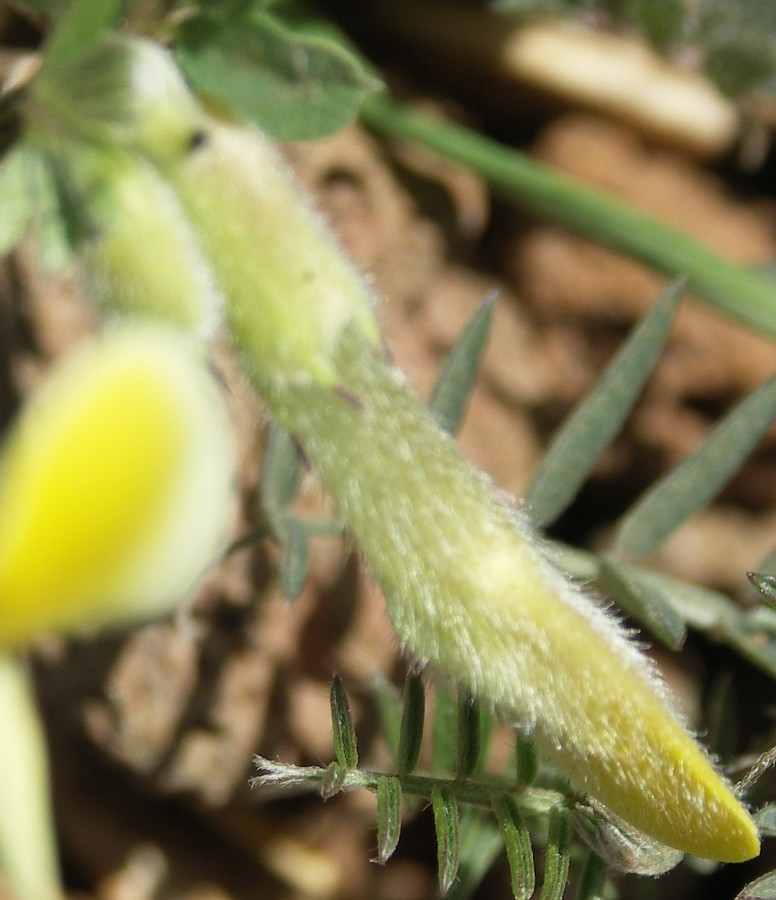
[(763, 888), (766, 820), (447, 827), (388, 817), (480, 845), (389, 708), (557, 856), (80, 26), (456, 380), (644, 601), (592, 882), (281, 470), (294, 557), (345, 746), (577, 445), (16, 199), (517, 841), (699, 478), (294, 86)]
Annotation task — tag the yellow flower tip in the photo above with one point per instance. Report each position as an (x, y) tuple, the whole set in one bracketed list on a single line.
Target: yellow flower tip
[(115, 486), (556, 664)]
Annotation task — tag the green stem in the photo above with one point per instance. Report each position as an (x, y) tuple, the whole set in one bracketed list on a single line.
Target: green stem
[(745, 296), (532, 801), (28, 855)]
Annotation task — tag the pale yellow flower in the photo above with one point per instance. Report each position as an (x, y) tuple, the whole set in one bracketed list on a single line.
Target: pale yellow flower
[(115, 486)]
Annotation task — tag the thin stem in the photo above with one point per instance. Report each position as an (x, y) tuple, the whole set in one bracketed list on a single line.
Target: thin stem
[(743, 295), (533, 801)]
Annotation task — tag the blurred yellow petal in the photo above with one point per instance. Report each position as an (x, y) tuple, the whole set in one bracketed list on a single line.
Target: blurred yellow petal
[(114, 486)]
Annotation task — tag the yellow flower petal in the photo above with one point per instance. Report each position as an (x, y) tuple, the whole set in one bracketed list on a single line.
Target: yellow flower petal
[(114, 486)]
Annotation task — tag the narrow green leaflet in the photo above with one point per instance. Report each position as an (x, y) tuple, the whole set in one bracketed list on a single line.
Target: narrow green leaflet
[(446, 724), (699, 478), (762, 889), (412, 719), (518, 846), (469, 737), (293, 86), (16, 201), (557, 856), (388, 817), (82, 23), (456, 380), (766, 820), (389, 708), (50, 219), (480, 846), (644, 601), (577, 445), (345, 747), (447, 827), (592, 882), (294, 557), (526, 761), (281, 471)]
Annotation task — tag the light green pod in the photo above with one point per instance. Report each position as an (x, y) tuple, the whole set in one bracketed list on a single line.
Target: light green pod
[(291, 291), (467, 584), (470, 590), (143, 258)]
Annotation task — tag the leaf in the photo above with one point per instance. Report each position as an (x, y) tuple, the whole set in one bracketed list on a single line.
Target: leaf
[(281, 470), (737, 43), (345, 746), (333, 780), (445, 736), (699, 478), (16, 201), (447, 827), (575, 448), (644, 601), (82, 23), (517, 842), (294, 557), (766, 820), (763, 888), (480, 846), (389, 708), (293, 86), (766, 586), (662, 24), (526, 761), (557, 856), (388, 817), (469, 736), (413, 714), (722, 731), (456, 380), (592, 882)]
